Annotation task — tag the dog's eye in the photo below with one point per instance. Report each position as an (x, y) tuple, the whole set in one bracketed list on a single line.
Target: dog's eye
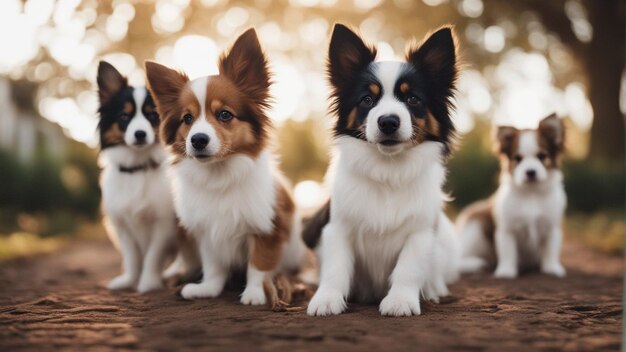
[(413, 100), (518, 158), (124, 117), (367, 101), (542, 156), (187, 119), (224, 115)]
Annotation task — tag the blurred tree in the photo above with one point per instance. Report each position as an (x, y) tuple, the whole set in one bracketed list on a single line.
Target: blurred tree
[(602, 59)]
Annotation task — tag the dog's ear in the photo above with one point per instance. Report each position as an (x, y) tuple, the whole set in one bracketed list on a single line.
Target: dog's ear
[(110, 82), (166, 85), (552, 131), (348, 56), (246, 66), (505, 138), (436, 58)]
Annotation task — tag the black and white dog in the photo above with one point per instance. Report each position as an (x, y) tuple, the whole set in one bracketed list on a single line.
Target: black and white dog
[(384, 234), (136, 198)]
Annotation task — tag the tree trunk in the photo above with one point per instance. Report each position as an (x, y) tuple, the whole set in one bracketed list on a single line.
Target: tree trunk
[(604, 64)]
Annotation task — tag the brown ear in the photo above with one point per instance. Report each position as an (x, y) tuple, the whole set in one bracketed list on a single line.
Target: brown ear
[(505, 138), (110, 82), (552, 130), (348, 56), (246, 66), (165, 85)]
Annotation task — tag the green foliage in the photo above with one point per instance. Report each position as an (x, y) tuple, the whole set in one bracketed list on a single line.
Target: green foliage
[(594, 186), (48, 195), (473, 169), (303, 149)]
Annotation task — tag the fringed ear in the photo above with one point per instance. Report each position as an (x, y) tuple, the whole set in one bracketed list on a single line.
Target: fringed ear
[(436, 58), (552, 131), (166, 85), (246, 66), (110, 82), (348, 56), (505, 138)]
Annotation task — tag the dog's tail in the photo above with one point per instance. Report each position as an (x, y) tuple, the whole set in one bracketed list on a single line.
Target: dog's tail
[(313, 226)]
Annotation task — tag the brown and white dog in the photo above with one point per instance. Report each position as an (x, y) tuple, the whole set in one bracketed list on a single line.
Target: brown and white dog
[(227, 191), (520, 225)]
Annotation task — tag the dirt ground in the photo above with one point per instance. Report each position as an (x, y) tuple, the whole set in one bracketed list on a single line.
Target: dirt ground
[(58, 302)]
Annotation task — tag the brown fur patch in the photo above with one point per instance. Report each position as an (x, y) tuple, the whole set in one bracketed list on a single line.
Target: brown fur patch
[(405, 88), (424, 128), (266, 250), (114, 135), (352, 119), (432, 125), (551, 138), (374, 89), (128, 108), (237, 135)]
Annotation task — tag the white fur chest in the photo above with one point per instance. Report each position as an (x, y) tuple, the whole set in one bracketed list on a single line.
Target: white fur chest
[(383, 200), (142, 195), (225, 201), (542, 205)]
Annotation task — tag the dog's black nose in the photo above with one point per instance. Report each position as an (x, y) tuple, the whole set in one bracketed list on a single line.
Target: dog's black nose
[(140, 135), (388, 124), (199, 141), (531, 174)]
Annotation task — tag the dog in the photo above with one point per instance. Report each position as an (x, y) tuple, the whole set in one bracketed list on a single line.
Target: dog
[(383, 232), (520, 225), (228, 192), (138, 207)]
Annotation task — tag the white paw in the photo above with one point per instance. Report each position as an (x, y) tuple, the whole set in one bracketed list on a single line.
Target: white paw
[(147, 284), (430, 293), (209, 289), (399, 304), (555, 269), (121, 282), (253, 295), (326, 302), (505, 272)]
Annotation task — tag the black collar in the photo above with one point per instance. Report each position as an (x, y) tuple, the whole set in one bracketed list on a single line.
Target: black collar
[(150, 165)]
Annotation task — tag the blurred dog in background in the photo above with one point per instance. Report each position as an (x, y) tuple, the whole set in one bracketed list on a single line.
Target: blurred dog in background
[(520, 225), (136, 200)]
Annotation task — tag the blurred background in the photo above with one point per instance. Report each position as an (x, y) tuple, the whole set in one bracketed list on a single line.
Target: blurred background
[(523, 60)]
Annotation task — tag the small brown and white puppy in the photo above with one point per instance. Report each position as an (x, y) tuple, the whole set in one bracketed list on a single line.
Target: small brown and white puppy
[(520, 225), (227, 191)]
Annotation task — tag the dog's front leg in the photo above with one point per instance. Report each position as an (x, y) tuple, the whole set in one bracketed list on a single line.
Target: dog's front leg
[(506, 253), (337, 267), (131, 258), (409, 275), (162, 237), (551, 252), (265, 254), (214, 272)]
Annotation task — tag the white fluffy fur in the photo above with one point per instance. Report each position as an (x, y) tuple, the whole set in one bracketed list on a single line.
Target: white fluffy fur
[(222, 204), (387, 235), (139, 211), (527, 216)]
